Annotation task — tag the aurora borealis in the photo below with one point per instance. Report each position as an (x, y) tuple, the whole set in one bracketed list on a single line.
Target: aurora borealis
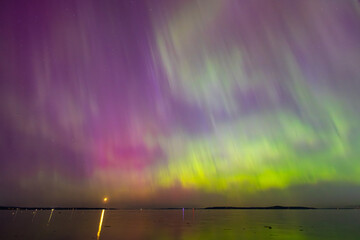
[(179, 102)]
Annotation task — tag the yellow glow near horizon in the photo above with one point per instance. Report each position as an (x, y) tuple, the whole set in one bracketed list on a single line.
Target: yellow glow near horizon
[(105, 199)]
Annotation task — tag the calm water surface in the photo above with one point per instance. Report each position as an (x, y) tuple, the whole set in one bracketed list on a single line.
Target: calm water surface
[(176, 224)]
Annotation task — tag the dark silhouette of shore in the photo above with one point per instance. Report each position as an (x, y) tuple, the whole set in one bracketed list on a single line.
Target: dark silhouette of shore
[(271, 207), (178, 208)]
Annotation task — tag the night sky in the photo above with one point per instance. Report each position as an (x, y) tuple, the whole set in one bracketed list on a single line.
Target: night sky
[(169, 103)]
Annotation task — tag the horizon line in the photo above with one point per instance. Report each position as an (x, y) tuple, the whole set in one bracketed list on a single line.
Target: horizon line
[(272, 207)]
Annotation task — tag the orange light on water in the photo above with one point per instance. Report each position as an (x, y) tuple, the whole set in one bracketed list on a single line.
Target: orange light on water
[(100, 223)]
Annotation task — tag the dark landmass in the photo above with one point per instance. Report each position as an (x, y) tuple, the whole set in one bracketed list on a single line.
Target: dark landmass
[(271, 207), (170, 208), (178, 208)]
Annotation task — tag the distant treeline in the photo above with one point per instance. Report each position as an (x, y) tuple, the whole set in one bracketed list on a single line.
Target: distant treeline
[(271, 207), (175, 208)]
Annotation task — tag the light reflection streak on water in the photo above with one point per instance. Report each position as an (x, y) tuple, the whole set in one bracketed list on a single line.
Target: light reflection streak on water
[(15, 214), (100, 223), (52, 210), (72, 213), (34, 213)]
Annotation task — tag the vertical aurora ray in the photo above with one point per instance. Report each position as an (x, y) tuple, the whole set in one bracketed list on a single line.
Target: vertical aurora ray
[(196, 102), (272, 124)]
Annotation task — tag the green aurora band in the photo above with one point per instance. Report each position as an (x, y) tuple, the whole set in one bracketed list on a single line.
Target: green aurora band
[(274, 147), (180, 103)]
